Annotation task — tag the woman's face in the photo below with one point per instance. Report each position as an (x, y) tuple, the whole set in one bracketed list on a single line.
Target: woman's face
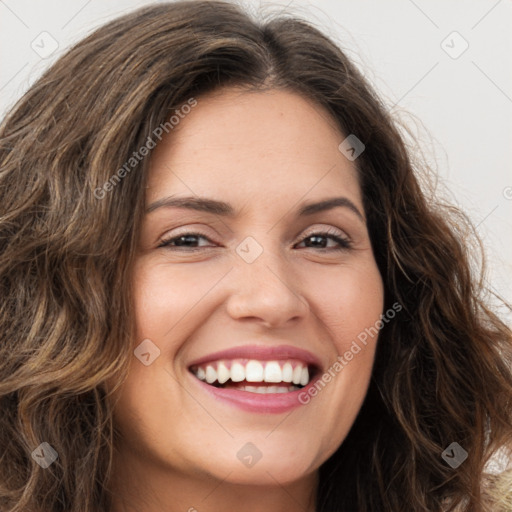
[(247, 272)]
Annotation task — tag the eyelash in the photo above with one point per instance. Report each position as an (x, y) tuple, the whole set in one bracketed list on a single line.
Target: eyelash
[(344, 243)]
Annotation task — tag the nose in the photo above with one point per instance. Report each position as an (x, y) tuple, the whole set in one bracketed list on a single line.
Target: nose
[(265, 291)]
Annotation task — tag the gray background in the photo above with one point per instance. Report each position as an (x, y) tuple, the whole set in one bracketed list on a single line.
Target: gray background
[(458, 104)]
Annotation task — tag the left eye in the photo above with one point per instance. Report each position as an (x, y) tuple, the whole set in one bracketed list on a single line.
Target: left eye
[(343, 243), (184, 241)]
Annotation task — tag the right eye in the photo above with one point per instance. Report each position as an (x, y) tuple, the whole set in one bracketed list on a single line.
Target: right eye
[(183, 241)]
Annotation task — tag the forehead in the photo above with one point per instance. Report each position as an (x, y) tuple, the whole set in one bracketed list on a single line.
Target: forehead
[(253, 145)]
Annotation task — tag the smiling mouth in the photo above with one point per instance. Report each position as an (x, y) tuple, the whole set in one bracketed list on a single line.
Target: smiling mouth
[(255, 376)]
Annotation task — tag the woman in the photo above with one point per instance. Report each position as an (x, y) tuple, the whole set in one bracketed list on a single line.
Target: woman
[(322, 344)]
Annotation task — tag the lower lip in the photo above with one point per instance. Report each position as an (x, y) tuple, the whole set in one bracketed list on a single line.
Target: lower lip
[(257, 402)]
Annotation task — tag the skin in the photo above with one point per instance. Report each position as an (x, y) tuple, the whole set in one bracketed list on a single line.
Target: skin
[(265, 153)]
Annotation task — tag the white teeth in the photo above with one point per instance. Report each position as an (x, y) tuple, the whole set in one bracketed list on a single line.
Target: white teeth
[(276, 372), (254, 371), (200, 374), (273, 372), (269, 389), (304, 378), (211, 374), (237, 372), (297, 374), (222, 372), (287, 372)]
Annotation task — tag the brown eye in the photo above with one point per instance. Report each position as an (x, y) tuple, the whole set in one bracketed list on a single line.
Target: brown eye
[(184, 241), (316, 238)]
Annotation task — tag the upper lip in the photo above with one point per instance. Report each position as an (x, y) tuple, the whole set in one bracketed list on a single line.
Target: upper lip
[(260, 353)]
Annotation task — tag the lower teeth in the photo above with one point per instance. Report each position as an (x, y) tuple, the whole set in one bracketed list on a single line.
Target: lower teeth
[(264, 389), (242, 386)]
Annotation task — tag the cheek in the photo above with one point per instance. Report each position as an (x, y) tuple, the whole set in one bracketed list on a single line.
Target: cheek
[(153, 292), (348, 303), (347, 300), (165, 294)]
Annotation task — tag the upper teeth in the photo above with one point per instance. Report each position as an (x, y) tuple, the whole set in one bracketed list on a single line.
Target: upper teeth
[(253, 371)]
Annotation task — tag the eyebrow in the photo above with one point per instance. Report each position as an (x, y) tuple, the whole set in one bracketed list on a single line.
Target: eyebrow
[(215, 207)]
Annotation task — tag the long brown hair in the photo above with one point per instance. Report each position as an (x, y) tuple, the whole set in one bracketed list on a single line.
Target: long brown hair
[(443, 365)]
